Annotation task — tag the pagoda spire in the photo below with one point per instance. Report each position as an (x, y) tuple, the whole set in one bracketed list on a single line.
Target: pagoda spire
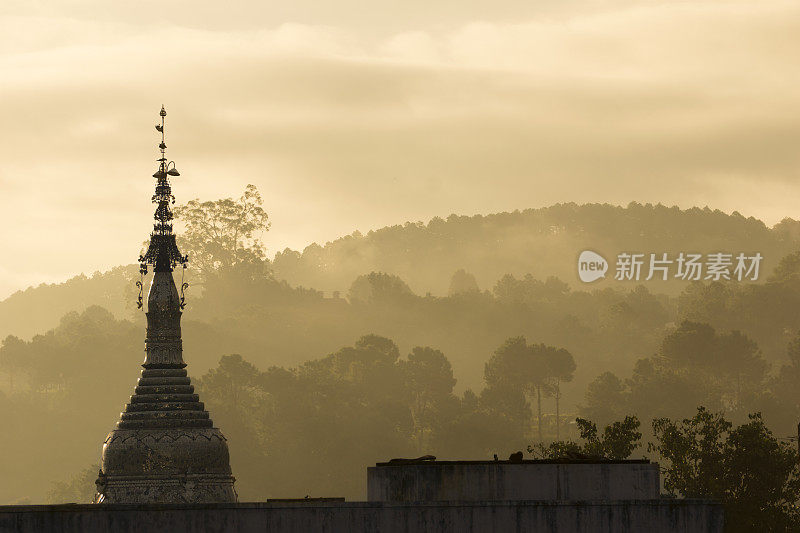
[(163, 345), (163, 253), (165, 448)]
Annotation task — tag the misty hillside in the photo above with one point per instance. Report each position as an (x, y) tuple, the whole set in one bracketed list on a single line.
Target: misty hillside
[(38, 309), (541, 242), (284, 367)]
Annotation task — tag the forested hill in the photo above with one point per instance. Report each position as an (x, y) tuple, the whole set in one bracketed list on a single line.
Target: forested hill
[(543, 242), (38, 309), (305, 365)]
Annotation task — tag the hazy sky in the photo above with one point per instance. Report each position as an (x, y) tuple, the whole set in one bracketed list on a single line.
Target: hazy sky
[(354, 115)]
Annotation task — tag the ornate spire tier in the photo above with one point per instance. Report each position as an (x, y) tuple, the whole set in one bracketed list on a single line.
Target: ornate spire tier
[(165, 448)]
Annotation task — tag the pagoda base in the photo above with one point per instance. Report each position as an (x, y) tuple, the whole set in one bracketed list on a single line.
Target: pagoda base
[(158, 465), (190, 488)]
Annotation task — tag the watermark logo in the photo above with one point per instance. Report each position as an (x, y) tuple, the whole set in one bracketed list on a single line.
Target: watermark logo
[(685, 266), (591, 266)]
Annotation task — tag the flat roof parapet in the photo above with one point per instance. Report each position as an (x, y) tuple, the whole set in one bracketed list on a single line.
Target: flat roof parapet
[(536, 479), (304, 500), (406, 462), (653, 516)]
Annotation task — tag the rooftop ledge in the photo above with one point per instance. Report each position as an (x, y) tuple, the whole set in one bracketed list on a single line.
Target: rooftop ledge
[(415, 462)]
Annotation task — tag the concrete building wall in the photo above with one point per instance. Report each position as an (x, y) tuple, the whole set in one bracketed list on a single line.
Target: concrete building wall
[(653, 516), (478, 481)]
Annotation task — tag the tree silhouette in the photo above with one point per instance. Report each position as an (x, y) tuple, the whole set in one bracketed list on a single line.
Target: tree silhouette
[(429, 381), (747, 468), (462, 282), (517, 369), (618, 441), (225, 233), (378, 288), (606, 398), (560, 367)]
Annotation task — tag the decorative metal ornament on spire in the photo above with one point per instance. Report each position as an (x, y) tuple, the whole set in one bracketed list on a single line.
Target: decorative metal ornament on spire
[(162, 253)]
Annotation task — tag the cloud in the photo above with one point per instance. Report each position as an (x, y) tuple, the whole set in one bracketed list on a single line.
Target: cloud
[(344, 127)]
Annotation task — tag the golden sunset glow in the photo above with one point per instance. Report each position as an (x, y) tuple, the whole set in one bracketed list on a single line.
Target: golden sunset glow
[(351, 116)]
